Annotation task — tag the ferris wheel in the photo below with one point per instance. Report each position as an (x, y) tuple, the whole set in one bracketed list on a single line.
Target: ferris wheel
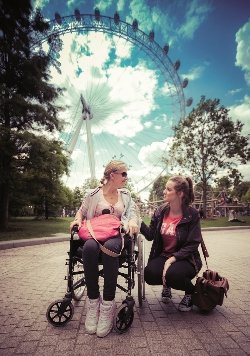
[(124, 94)]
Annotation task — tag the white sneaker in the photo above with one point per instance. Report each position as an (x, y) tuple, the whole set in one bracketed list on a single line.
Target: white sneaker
[(92, 315), (105, 323)]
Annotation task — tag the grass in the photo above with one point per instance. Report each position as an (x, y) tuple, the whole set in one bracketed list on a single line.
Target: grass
[(26, 228), (216, 222)]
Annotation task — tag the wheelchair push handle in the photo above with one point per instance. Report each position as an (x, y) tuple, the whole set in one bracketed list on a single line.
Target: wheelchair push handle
[(74, 230)]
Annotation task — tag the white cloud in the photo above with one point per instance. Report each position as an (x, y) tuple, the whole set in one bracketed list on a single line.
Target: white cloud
[(247, 77), (235, 91), (195, 15), (195, 72), (243, 50), (120, 5), (241, 112), (103, 4), (140, 11), (152, 154), (122, 98), (119, 96), (155, 18), (39, 3)]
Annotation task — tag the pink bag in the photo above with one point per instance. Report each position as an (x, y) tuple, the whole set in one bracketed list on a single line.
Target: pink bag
[(101, 228)]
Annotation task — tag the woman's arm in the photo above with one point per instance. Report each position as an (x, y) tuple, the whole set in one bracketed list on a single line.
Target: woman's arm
[(149, 231), (81, 213)]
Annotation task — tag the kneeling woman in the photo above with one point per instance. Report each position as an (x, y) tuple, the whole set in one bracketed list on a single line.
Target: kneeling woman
[(175, 230)]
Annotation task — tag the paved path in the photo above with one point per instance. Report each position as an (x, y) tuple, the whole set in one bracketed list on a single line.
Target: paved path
[(33, 276)]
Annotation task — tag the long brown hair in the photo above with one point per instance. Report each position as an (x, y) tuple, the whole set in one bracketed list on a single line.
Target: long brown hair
[(185, 185)]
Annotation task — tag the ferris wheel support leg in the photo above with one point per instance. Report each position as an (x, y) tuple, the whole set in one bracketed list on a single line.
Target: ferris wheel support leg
[(90, 148)]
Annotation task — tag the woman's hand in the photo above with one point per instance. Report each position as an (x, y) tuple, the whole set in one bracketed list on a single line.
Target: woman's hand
[(132, 228), (77, 221), (167, 264)]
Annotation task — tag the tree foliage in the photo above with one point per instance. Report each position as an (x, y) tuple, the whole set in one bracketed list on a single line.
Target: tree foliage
[(28, 100), (241, 189), (156, 193), (208, 141)]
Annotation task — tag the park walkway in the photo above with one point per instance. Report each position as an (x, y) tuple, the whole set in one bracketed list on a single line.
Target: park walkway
[(33, 276)]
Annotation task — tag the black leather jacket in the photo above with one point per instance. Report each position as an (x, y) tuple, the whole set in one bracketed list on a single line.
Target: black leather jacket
[(188, 232)]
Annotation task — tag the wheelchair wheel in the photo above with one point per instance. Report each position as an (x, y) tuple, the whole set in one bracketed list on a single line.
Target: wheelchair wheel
[(79, 284), (60, 312), (140, 269), (124, 318)]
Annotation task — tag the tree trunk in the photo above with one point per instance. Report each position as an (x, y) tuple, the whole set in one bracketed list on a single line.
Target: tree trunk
[(4, 207), (204, 198), (46, 206)]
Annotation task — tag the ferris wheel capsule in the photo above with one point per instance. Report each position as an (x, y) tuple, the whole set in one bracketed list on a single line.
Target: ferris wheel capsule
[(58, 18), (189, 102), (177, 65), (185, 83), (77, 15), (135, 25), (165, 49), (151, 36), (116, 18), (97, 14)]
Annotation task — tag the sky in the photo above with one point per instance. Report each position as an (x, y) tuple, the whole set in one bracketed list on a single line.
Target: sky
[(134, 103)]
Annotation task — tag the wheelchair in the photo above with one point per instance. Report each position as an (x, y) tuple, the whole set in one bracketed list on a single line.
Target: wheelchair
[(131, 264)]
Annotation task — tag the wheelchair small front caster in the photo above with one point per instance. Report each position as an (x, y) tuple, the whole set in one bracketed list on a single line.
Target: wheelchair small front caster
[(60, 312), (124, 318)]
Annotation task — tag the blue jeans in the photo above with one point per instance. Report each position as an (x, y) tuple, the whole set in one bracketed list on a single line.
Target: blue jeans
[(91, 259)]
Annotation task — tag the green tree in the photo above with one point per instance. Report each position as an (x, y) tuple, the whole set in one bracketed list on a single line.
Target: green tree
[(156, 193), (241, 189), (44, 163), (27, 100), (39, 166), (246, 196), (208, 141), (90, 183), (77, 198)]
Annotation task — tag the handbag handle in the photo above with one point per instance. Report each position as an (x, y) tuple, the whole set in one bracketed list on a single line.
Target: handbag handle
[(205, 254), (103, 248), (204, 250)]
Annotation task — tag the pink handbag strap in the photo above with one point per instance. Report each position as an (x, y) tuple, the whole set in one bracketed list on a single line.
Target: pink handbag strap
[(103, 248)]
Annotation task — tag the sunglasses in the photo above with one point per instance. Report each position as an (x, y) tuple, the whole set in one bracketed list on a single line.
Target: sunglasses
[(123, 174)]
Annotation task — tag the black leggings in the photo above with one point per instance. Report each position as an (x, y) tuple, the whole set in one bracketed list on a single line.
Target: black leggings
[(91, 252), (178, 276)]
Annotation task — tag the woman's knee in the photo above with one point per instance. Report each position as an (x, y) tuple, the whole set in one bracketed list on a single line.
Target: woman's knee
[(90, 247), (150, 277), (114, 244)]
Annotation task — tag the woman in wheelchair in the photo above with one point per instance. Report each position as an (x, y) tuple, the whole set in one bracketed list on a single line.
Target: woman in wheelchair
[(113, 196), (175, 230)]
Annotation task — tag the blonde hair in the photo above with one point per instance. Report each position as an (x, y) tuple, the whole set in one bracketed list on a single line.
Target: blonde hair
[(112, 166)]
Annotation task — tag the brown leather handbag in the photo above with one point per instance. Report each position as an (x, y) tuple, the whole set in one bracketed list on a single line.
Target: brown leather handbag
[(210, 289)]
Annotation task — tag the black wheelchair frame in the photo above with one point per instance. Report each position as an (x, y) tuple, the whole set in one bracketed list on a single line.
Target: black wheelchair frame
[(131, 260)]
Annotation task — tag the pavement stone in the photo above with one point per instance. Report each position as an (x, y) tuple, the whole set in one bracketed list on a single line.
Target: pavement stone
[(32, 276)]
